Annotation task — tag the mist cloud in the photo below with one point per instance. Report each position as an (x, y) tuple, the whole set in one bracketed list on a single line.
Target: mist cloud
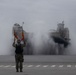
[(38, 15)]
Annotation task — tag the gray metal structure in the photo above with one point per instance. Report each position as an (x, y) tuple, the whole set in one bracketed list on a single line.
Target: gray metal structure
[(61, 37)]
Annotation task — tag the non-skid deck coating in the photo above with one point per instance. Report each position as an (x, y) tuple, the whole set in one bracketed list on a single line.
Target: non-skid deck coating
[(40, 58), (40, 65)]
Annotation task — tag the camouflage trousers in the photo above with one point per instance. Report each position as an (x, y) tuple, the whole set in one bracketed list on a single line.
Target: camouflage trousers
[(19, 61)]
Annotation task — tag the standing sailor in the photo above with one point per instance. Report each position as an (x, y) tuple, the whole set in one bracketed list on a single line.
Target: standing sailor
[(19, 55)]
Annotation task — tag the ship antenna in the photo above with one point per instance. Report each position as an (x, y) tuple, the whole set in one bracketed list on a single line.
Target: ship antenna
[(22, 25)]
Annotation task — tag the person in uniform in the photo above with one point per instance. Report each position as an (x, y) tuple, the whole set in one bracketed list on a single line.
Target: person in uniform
[(19, 55)]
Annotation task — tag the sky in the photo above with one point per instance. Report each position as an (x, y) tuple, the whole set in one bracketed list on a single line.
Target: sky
[(38, 16)]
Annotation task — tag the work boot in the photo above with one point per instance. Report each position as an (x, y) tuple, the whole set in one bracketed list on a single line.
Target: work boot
[(17, 70), (21, 70)]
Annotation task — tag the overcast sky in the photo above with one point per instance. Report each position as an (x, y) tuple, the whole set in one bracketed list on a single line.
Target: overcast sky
[(38, 15)]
